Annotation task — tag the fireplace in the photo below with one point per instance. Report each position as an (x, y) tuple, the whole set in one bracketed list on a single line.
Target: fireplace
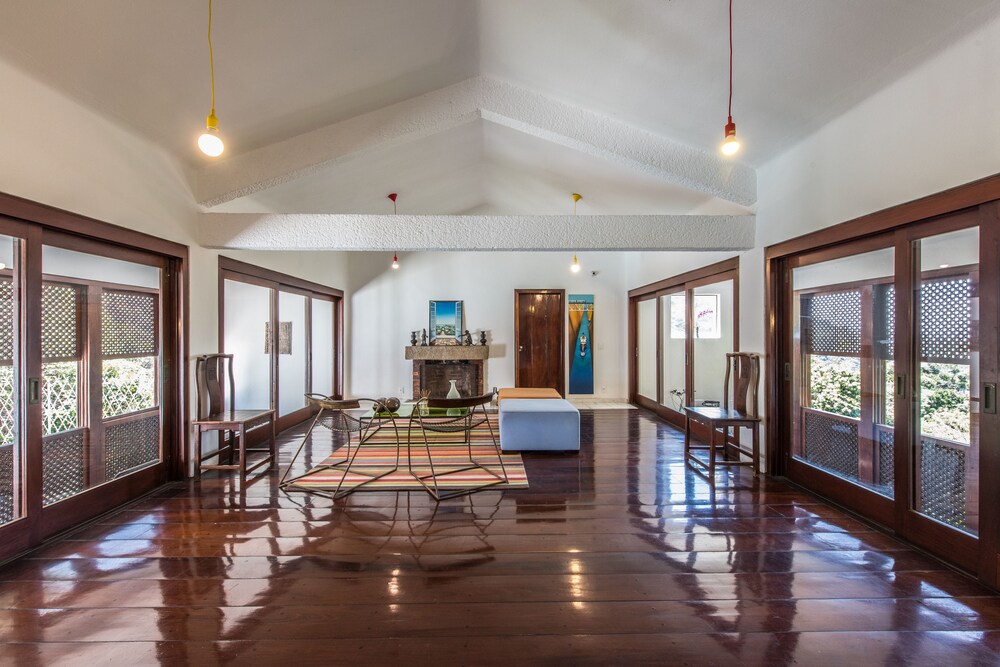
[(434, 366), (435, 377)]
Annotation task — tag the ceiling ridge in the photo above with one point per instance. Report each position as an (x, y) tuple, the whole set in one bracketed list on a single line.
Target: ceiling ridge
[(475, 98)]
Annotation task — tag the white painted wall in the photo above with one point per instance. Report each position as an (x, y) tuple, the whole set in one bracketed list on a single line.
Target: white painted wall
[(387, 305)]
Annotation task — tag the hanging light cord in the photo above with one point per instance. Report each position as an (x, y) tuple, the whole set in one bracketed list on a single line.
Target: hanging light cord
[(730, 61), (211, 55)]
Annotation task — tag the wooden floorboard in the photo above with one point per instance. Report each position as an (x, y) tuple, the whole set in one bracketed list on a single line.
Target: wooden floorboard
[(617, 555)]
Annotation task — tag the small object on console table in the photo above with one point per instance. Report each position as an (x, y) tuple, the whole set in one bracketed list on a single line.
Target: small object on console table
[(466, 338), (423, 336), (482, 336), (413, 338)]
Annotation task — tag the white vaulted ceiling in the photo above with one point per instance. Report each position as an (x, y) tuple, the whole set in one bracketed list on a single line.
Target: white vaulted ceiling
[(622, 100)]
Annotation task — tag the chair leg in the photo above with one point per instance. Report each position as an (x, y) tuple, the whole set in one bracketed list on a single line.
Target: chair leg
[(298, 451), (756, 449), (687, 437), (197, 452), (711, 454), (243, 453), (496, 447), (274, 445)]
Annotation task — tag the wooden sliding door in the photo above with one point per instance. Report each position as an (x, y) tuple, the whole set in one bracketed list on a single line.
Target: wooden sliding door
[(90, 396), (680, 330), (285, 337), (884, 375)]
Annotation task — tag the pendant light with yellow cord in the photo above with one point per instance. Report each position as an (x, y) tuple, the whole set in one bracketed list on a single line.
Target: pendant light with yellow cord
[(210, 143)]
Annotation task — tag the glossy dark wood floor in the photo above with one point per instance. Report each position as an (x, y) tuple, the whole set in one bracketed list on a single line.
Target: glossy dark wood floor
[(618, 555)]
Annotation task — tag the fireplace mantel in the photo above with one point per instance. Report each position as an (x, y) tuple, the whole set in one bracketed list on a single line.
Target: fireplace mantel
[(447, 352)]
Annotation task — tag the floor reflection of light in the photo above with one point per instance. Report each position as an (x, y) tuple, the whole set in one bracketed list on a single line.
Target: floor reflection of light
[(582, 606), (123, 547), (394, 609), (118, 563), (393, 587), (575, 566)]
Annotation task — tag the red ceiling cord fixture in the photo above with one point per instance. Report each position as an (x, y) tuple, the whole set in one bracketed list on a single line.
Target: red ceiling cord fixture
[(731, 145), (395, 260)]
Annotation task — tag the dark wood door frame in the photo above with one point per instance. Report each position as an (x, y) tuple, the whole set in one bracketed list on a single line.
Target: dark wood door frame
[(562, 334), (980, 199)]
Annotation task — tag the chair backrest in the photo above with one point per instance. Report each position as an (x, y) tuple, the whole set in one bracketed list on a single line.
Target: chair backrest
[(214, 378), (743, 369)]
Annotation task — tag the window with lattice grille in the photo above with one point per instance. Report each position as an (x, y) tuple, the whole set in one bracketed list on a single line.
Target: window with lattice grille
[(62, 351), (128, 324), (129, 346), (831, 323)]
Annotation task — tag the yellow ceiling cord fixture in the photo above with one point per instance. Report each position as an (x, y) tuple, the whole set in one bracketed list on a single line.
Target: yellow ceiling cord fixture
[(575, 266), (731, 145), (210, 142)]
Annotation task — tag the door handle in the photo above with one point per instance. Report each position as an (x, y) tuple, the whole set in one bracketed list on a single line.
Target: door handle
[(33, 390), (901, 386), (990, 398), (520, 348)]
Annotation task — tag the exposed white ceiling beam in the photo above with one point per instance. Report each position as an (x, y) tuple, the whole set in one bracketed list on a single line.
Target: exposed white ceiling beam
[(481, 97), (274, 231)]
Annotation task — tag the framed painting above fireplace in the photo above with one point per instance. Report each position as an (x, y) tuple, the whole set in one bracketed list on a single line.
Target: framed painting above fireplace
[(445, 324)]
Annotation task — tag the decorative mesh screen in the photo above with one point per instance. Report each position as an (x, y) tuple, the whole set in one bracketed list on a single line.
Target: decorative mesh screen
[(6, 320), (8, 425), (60, 402), (6, 483), (63, 460), (128, 324), (886, 458), (831, 323), (945, 320), (60, 322), (131, 444), (832, 443), (942, 482), (128, 385)]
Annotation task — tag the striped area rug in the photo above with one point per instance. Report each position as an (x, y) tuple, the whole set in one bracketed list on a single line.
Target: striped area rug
[(378, 454)]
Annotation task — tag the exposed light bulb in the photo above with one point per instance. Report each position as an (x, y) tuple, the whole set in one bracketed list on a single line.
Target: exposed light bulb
[(731, 145), (575, 266), (395, 261), (209, 142)]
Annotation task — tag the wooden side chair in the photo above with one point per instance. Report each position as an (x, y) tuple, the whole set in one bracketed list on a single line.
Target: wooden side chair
[(459, 416), (743, 368), (214, 377)]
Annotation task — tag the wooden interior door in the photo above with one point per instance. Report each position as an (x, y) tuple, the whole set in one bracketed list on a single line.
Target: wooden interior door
[(539, 334)]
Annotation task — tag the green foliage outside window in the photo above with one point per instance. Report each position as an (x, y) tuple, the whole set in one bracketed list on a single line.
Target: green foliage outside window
[(835, 386)]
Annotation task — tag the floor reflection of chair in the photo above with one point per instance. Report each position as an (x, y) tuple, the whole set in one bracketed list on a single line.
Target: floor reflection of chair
[(456, 416), (743, 368), (336, 415), (453, 537)]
